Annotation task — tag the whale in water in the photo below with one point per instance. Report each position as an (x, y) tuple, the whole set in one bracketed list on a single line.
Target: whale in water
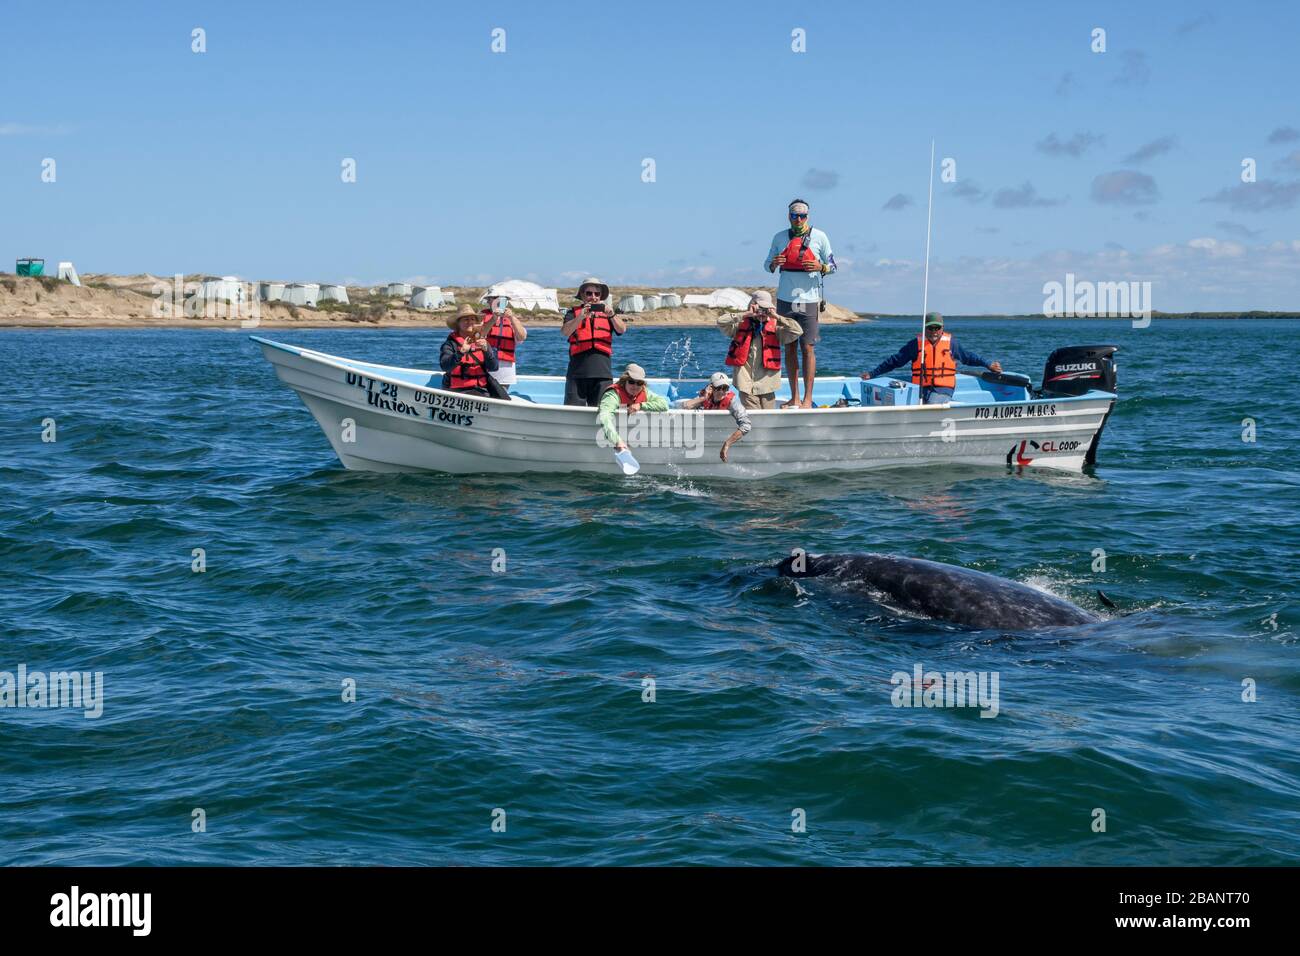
[(941, 591)]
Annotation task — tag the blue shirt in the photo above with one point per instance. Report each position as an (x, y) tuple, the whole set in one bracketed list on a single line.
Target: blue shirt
[(907, 355), (800, 286)]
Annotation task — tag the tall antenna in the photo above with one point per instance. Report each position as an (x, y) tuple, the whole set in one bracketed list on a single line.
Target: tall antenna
[(925, 295)]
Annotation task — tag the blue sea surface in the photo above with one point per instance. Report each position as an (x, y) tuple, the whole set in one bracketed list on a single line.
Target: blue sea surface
[(517, 695)]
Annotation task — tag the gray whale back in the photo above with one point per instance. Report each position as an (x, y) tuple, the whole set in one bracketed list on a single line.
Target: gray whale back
[(942, 591)]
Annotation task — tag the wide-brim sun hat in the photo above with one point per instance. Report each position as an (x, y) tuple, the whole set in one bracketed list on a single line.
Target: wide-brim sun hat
[(465, 310), (763, 299), (634, 373), (592, 280)]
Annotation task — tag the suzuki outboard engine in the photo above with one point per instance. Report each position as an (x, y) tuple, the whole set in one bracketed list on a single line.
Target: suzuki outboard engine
[(1076, 369)]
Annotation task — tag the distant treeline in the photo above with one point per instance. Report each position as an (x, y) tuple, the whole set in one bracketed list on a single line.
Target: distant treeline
[(1155, 315)]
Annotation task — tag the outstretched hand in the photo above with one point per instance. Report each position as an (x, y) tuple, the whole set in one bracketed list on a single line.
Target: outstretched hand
[(996, 367)]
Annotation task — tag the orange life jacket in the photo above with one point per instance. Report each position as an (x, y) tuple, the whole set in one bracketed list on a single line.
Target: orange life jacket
[(624, 397), (797, 252), (940, 368), (595, 331), (501, 337), (738, 353), (709, 404), (469, 371)]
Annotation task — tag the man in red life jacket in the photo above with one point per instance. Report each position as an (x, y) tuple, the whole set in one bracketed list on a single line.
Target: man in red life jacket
[(802, 255), (503, 331), (757, 338), (465, 358), (937, 376), (590, 329), (720, 396)]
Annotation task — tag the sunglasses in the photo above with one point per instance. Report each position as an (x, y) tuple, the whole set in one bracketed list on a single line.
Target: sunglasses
[(798, 215), (595, 292), (720, 388), (632, 384)]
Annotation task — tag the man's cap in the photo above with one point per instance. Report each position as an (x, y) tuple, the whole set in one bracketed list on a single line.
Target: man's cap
[(932, 319), (719, 378), (634, 373)]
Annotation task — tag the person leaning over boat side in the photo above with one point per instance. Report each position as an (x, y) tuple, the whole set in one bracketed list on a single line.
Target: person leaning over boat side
[(799, 253), (465, 358), (590, 329), (628, 393), (757, 337), (942, 356), (720, 395), (503, 331)]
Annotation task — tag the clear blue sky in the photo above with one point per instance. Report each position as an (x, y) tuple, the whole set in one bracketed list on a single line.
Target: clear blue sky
[(474, 166)]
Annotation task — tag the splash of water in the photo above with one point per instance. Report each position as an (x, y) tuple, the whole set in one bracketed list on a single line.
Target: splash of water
[(680, 353)]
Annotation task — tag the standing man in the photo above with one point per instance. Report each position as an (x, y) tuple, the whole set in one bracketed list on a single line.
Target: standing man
[(757, 338), (802, 255), (590, 328), (938, 375)]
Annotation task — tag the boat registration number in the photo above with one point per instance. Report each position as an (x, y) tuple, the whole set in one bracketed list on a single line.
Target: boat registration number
[(1015, 411)]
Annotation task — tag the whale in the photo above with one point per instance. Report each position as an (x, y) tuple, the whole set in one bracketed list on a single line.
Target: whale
[(940, 591)]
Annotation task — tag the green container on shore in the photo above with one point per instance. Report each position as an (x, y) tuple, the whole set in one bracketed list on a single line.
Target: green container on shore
[(30, 267)]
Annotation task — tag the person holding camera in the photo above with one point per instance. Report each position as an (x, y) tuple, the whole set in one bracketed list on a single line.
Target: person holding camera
[(628, 394), (590, 328), (803, 257), (718, 394), (503, 331), (757, 338), (466, 358)]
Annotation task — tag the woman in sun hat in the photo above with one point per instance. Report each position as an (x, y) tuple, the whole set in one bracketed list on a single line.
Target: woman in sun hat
[(466, 358)]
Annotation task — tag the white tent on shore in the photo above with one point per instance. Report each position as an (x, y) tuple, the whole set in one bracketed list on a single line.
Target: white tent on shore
[(670, 300), (270, 291), (721, 299), (225, 289), (631, 303), (523, 295), (429, 297), (68, 271), (399, 288), (301, 293), (653, 302), (334, 293)]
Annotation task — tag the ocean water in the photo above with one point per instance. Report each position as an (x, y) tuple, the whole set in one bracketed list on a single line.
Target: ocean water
[(516, 695)]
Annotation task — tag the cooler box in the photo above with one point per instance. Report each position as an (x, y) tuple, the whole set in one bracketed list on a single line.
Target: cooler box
[(889, 391)]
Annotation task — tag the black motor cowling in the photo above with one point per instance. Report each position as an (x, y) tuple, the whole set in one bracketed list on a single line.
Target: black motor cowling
[(1076, 369)]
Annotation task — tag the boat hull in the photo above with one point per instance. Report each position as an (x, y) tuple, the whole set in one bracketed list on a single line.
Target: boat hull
[(387, 419)]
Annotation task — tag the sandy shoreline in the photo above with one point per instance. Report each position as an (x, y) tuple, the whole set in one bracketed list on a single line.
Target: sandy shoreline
[(151, 302)]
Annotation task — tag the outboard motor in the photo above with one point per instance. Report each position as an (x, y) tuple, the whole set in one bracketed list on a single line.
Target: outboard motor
[(1077, 369)]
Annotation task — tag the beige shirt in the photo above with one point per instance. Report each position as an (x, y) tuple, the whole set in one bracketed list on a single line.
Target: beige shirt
[(752, 377)]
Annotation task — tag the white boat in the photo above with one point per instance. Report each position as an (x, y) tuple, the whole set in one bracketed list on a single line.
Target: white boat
[(385, 418)]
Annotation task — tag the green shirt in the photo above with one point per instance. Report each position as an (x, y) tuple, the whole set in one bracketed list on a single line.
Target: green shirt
[(609, 406)]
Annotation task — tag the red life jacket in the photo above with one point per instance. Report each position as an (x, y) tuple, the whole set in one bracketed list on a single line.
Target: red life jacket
[(469, 371), (624, 398), (594, 331), (709, 404), (501, 337), (738, 353), (797, 252), (940, 368)]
